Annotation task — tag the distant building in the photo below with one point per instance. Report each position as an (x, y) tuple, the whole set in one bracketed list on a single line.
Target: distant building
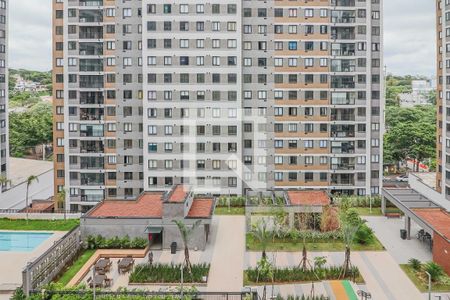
[(420, 94)]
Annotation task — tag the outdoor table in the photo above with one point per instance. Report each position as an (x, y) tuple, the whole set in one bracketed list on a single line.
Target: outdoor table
[(125, 263), (99, 280), (101, 264)]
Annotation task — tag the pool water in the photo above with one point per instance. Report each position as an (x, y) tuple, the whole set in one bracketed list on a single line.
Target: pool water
[(21, 241)]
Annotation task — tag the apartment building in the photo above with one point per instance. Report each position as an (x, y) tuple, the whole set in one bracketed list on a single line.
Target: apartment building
[(223, 96), (4, 137)]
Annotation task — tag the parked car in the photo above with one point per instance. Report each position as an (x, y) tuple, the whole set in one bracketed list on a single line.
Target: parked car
[(402, 178)]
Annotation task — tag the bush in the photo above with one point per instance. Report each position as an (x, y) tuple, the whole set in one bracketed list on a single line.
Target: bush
[(415, 264), (297, 274), (234, 201), (364, 235), (99, 242), (159, 273), (435, 270)]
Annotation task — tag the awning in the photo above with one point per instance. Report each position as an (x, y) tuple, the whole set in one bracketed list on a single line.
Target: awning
[(153, 229)]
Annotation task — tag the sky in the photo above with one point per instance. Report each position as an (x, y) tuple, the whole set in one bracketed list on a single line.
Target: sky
[(409, 29)]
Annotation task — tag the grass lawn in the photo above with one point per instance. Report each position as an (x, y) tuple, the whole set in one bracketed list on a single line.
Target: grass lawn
[(56, 225), (365, 211), (75, 267), (422, 284), (232, 211), (291, 246)]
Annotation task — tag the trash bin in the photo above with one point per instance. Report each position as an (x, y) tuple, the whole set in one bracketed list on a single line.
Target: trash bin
[(403, 234), (173, 248)]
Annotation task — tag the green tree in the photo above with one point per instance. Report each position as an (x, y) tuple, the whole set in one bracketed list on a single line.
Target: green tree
[(261, 233), (186, 234), (61, 201)]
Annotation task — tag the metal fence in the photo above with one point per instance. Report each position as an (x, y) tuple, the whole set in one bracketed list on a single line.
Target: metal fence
[(46, 267), (82, 294)]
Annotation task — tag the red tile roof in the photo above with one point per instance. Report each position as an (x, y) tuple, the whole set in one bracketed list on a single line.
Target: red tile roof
[(437, 218), (179, 194), (149, 205), (201, 208), (40, 206), (311, 198)]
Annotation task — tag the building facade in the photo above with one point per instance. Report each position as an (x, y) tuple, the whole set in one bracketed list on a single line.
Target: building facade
[(226, 97), (4, 136)]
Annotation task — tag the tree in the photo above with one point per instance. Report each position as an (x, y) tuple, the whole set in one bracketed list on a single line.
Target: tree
[(30, 180), (349, 232), (261, 232), (4, 181), (186, 233), (61, 201)]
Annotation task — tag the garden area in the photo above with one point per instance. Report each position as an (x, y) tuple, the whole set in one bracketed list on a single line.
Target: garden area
[(159, 273), (314, 231), (416, 271), (44, 225)]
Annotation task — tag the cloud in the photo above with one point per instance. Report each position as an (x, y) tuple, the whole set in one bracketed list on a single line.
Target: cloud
[(409, 30), (30, 45)]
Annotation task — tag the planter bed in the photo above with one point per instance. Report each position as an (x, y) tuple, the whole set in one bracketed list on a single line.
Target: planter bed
[(297, 275), (165, 273)]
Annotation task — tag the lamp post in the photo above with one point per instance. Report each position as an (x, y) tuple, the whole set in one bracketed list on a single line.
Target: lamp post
[(429, 285), (93, 282)]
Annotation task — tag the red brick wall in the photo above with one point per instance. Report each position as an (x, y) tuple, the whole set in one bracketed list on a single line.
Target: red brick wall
[(441, 252)]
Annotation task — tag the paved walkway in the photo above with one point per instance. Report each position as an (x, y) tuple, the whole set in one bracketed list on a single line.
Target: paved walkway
[(228, 257), (383, 276), (388, 232)]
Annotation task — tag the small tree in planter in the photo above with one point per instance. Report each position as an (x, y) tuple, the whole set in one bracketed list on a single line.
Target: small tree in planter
[(261, 232), (185, 236)]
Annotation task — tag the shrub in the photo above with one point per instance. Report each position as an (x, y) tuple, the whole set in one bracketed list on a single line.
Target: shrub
[(234, 201), (162, 273), (99, 242), (435, 270), (364, 235), (415, 264), (297, 274), (330, 219)]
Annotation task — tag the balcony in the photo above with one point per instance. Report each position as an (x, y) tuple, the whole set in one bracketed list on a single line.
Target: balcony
[(343, 33), (343, 49), (91, 130), (91, 65), (342, 82), (342, 179), (343, 65), (91, 16), (92, 179), (91, 81), (342, 131), (343, 17), (91, 98), (87, 163), (343, 98), (91, 114), (91, 2), (342, 163), (342, 147), (342, 115), (91, 48), (91, 32), (92, 147), (349, 3)]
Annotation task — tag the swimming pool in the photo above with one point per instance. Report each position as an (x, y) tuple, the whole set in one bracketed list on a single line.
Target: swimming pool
[(21, 241)]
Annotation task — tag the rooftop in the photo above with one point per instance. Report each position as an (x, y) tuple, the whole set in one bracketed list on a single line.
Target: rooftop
[(437, 218), (21, 169), (179, 194), (201, 208), (311, 198), (40, 206), (148, 205), (428, 178)]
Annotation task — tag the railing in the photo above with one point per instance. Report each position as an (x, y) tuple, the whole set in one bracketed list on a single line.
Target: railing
[(249, 295), (46, 267)]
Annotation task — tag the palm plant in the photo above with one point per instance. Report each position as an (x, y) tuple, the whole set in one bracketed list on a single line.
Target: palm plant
[(4, 181), (61, 201), (349, 232), (434, 270), (30, 180), (186, 233), (415, 264), (261, 232)]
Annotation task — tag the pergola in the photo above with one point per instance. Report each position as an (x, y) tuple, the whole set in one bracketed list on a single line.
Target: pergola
[(409, 201)]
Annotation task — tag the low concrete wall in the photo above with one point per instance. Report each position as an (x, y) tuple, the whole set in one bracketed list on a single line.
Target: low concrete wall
[(172, 234), (417, 184)]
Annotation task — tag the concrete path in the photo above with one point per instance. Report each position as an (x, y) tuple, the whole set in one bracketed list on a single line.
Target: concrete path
[(228, 255), (388, 232)]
